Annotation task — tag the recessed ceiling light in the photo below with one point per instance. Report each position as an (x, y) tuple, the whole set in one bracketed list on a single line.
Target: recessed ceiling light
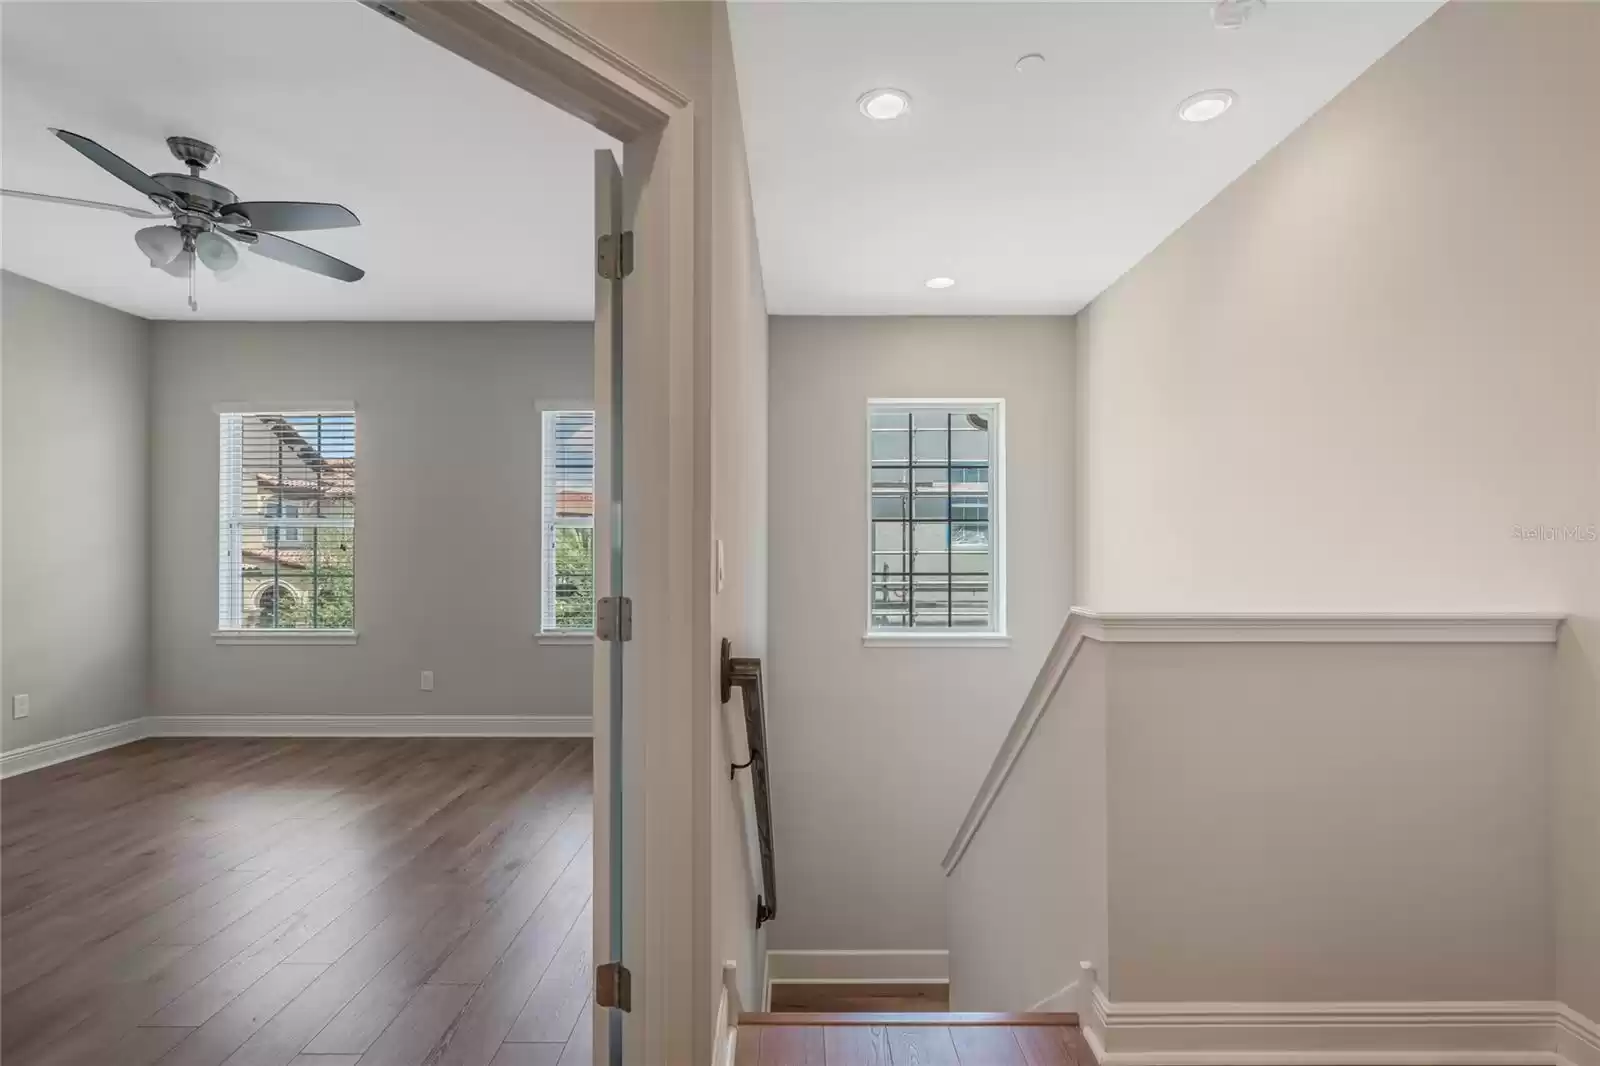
[(939, 283), (1203, 107), (884, 104), (1030, 62)]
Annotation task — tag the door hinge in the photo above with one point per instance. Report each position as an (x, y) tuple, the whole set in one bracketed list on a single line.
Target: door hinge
[(613, 986), (613, 618), (614, 255)]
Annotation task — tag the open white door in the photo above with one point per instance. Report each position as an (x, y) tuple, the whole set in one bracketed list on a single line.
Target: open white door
[(613, 614)]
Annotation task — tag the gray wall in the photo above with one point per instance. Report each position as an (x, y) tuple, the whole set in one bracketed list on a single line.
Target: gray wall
[(877, 751), (447, 515), (76, 512)]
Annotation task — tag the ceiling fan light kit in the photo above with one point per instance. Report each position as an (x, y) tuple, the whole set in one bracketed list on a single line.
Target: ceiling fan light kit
[(160, 243), (207, 221)]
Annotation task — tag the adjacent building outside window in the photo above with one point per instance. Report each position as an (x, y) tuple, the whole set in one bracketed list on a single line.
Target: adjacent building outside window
[(286, 535), (567, 536), (935, 519)]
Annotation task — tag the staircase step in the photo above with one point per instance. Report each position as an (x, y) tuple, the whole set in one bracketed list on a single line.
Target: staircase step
[(946, 1019)]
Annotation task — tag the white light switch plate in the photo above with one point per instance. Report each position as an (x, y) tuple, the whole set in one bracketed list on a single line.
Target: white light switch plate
[(19, 706), (427, 680)]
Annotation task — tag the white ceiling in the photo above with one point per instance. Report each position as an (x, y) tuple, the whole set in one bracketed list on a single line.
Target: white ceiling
[(475, 198), (1033, 190)]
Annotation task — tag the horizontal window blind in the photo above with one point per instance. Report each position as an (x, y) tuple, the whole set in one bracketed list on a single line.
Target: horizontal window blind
[(286, 551), (933, 522), (567, 553)]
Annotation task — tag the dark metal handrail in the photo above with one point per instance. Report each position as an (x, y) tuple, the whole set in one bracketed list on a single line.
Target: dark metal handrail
[(746, 674)]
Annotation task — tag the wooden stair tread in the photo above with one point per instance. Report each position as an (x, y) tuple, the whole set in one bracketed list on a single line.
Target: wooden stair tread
[(944, 1019)]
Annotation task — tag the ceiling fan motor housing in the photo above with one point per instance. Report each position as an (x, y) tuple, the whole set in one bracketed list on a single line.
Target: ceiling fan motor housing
[(196, 193), (192, 153)]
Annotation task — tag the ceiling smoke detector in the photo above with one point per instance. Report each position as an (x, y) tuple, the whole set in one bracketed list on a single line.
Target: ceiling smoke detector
[(1232, 14)]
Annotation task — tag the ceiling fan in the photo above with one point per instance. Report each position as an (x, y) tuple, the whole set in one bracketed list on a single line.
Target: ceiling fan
[(207, 219)]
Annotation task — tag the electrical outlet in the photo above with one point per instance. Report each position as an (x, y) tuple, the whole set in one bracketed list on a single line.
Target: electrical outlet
[(19, 706), (427, 680)]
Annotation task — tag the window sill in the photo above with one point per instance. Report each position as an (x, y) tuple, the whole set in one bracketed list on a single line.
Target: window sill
[(936, 640), (574, 639), (284, 637)]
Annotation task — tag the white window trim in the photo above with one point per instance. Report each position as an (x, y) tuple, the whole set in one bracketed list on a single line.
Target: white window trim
[(559, 637), (256, 407), (575, 638), (281, 637), (997, 636)]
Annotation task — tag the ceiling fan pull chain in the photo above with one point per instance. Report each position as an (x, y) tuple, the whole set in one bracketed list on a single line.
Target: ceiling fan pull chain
[(193, 303)]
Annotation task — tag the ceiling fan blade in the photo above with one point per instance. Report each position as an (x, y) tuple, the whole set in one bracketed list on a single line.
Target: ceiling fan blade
[(280, 216), (131, 212), (295, 254), (116, 165)]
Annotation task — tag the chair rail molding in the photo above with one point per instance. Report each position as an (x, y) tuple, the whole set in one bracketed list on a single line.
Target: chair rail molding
[(1504, 627)]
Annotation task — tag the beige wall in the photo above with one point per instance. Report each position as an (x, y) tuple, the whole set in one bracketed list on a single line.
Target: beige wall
[(447, 515), (1343, 383), (1347, 822), (876, 751), (1575, 781), (737, 444), (76, 600), (1027, 901)]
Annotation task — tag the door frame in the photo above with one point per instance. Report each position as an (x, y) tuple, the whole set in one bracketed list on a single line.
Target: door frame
[(545, 55)]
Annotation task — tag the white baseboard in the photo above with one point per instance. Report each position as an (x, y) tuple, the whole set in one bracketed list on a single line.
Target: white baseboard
[(1535, 1033), (50, 752), (729, 1010), (367, 725), (1577, 1037), (854, 968)]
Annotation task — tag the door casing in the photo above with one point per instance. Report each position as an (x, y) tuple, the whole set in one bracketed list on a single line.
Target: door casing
[(548, 57)]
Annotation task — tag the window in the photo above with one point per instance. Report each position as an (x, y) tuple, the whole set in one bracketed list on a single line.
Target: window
[(567, 537), (935, 518), (286, 543)]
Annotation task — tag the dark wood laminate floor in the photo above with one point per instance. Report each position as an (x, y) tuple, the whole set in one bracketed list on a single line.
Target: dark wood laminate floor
[(911, 1044), (264, 902)]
